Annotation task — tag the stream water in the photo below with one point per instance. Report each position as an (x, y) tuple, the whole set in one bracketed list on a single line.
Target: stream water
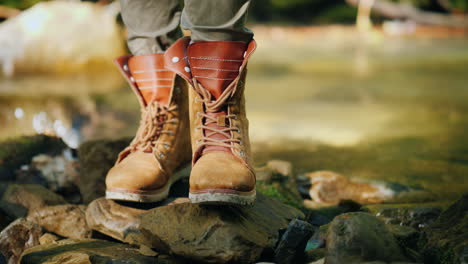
[(394, 109)]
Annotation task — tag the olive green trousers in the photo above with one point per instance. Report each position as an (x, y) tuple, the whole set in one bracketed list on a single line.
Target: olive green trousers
[(153, 25)]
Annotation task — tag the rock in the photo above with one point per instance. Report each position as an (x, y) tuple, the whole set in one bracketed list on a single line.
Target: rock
[(359, 237), (407, 237), (446, 240), (96, 158), (48, 238), (281, 167), (274, 169), (65, 220), (315, 254), (218, 234), (414, 215), (330, 188), (276, 180), (323, 216), (293, 242), (90, 251), (17, 152), (117, 221), (60, 172), (10, 212), (31, 196), (17, 237)]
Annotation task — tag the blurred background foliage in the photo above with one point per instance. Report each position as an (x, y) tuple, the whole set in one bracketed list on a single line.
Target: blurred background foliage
[(307, 11)]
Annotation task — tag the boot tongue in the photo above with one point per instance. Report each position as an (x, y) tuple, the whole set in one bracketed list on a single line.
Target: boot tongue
[(215, 64), (153, 81)]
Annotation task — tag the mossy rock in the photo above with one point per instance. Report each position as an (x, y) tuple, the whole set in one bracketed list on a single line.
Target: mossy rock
[(446, 241), (280, 192), (19, 151)]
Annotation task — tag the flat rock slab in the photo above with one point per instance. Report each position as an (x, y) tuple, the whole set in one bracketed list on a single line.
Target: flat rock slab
[(218, 234), (88, 251), (117, 221), (66, 220)]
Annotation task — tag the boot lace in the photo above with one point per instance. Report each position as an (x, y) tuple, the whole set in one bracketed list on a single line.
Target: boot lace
[(214, 106), (153, 118)]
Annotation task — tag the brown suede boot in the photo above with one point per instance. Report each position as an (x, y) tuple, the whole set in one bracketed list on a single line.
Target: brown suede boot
[(221, 163), (144, 170)]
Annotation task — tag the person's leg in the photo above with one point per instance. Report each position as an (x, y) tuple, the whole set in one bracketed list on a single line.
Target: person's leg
[(153, 25), (213, 61), (145, 169), (216, 20)]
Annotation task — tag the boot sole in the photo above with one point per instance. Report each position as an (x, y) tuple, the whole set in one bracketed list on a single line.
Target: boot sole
[(148, 196), (223, 197)]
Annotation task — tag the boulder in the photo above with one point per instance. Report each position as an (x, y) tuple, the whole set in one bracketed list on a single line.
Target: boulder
[(65, 220), (87, 251), (117, 221), (96, 158), (218, 234), (360, 237), (18, 236), (413, 215), (292, 244), (446, 240), (31, 196)]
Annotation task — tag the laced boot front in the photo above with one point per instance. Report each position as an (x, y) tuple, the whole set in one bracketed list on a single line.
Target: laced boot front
[(144, 171), (221, 162)]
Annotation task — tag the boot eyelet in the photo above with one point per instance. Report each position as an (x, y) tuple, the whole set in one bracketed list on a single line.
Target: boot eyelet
[(161, 155), (132, 79), (125, 67), (238, 130), (241, 153), (176, 89), (240, 143)]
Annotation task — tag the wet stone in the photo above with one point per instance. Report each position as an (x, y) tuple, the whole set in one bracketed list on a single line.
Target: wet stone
[(414, 215), (218, 234), (359, 237), (117, 221), (65, 220), (293, 242), (18, 236), (90, 251)]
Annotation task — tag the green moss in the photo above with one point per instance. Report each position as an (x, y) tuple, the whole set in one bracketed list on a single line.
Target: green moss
[(280, 192)]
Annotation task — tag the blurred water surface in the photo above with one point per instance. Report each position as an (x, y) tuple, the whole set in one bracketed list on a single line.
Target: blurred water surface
[(393, 108)]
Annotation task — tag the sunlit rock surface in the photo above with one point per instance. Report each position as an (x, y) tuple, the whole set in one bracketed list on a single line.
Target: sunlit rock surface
[(329, 188), (18, 236), (59, 36)]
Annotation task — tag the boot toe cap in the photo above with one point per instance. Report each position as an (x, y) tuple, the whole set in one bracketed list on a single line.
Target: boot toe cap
[(137, 172), (221, 170)]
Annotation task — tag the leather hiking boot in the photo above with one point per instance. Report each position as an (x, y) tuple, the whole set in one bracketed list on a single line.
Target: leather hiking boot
[(144, 170), (222, 171)]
